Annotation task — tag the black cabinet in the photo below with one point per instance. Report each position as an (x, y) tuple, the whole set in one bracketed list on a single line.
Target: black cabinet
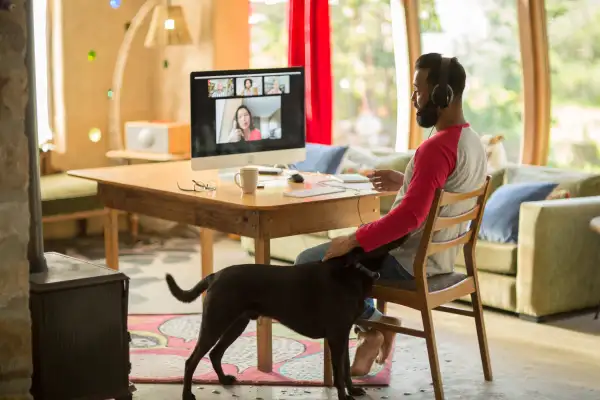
[(80, 341)]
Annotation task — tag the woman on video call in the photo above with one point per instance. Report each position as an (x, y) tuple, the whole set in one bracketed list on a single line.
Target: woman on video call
[(276, 89), (248, 90), (243, 128)]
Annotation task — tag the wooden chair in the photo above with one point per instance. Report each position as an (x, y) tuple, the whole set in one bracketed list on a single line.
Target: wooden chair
[(431, 294)]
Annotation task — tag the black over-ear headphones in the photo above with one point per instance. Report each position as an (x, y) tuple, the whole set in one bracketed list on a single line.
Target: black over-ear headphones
[(442, 94)]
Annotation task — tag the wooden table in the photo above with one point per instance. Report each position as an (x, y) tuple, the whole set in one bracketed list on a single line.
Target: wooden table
[(151, 189), (595, 226), (129, 157)]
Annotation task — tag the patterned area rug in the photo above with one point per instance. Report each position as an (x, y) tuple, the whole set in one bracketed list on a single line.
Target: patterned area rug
[(161, 344)]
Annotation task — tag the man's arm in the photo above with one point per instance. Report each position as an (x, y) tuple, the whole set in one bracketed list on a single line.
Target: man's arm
[(434, 162)]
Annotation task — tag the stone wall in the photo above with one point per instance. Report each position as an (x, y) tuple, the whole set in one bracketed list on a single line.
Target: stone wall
[(15, 324)]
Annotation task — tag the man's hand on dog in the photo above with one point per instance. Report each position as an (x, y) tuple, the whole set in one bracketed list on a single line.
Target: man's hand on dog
[(341, 246)]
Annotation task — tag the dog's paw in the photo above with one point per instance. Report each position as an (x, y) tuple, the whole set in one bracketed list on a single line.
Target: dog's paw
[(357, 391), (188, 396), (228, 380)]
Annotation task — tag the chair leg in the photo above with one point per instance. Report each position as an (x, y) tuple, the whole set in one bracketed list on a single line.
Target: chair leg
[(434, 363), (481, 336), (327, 367)]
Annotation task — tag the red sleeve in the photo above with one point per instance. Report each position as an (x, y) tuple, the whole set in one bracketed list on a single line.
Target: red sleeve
[(434, 161)]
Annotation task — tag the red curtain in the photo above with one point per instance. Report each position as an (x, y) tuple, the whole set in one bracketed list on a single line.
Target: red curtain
[(309, 46)]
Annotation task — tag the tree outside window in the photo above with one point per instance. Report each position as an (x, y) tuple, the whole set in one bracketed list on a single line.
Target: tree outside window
[(484, 36), (574, 47)]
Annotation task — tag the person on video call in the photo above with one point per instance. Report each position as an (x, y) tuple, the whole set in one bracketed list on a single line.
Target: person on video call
[(243, 127), (452, 159), (276, 89), (248, 89), (219, 91)]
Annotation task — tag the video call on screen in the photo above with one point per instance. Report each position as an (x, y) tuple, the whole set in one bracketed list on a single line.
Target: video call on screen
[(247, 113)]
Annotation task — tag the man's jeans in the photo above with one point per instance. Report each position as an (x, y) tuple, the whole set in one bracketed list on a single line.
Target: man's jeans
[(391, 270)]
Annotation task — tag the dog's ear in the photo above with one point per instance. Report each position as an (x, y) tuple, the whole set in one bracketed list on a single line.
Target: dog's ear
[(374, 259), (496, 139)]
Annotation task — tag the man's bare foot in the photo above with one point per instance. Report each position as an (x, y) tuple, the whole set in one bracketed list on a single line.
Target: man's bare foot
[(369, 345), (388, 339)]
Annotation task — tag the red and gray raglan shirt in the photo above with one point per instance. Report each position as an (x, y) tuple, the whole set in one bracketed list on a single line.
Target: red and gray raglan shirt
[(453, 159)]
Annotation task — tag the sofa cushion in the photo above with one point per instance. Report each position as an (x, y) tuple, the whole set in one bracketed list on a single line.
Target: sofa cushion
[(500, 222), (575, 183), (332, 234), (533, 173), (64, 194), (588, 186), (322, 234), (358, 159), (397, 161), (322, 158), (497, 180), (499, 258), (498, 291)]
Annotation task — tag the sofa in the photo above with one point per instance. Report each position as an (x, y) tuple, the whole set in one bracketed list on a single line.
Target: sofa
[(553, 268), (68, 198)]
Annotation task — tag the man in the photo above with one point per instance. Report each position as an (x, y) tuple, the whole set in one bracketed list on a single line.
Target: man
[(453, 159), (276, 89), (219, 91)]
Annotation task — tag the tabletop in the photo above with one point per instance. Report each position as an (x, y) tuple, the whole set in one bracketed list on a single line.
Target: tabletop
[(595, 224), (164, 178), (145, 156)]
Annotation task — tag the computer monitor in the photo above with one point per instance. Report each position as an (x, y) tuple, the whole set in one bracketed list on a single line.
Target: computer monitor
[(247, 117)]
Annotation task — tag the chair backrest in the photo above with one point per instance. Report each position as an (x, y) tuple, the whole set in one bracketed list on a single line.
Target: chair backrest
[(435, 223)]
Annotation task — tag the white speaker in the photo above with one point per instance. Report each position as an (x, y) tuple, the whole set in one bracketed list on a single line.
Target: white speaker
[(158, 137)]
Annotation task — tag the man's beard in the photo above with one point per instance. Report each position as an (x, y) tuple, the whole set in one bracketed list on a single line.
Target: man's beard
[(427, 116)]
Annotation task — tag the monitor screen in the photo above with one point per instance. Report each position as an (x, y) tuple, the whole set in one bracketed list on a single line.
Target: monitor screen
[(247, 111)]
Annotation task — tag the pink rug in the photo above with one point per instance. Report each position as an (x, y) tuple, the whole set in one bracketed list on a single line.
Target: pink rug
[(161, 344)]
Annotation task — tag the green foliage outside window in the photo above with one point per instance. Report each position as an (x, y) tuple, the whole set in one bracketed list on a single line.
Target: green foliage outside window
[(364, 68)]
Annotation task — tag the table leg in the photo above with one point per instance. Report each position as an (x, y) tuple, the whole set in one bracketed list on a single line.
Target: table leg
[(327, 366), (111, 238), (206, 252), (264, 334), (134, 220), (134, 227)]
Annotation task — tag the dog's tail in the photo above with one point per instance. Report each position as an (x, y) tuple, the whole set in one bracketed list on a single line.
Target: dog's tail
[(187, 296)]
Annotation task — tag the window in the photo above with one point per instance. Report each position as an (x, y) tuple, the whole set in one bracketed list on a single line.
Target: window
[(268, 33), (368, 40), (42, 83), (574, 47), (486, 42)]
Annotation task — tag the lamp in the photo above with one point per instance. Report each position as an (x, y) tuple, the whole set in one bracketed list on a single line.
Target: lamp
[(168, 27)]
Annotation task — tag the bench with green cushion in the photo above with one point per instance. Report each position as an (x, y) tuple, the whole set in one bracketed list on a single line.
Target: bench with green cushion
[(64, 196)]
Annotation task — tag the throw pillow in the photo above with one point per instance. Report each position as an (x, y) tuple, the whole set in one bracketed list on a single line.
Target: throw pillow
[(588, 186), (322, 158), (500, 222)]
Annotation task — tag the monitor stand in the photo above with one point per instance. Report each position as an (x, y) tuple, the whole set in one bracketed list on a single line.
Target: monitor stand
[(262, 170), (229, 173)]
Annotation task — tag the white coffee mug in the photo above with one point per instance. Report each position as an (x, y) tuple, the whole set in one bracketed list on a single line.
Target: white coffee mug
[(247, 179)]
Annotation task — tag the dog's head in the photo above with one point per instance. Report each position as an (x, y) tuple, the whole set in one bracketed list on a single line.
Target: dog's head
[(371, 262), (489, 143)]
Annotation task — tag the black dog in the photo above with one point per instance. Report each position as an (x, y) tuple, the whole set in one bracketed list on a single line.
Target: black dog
[(317, 300)]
